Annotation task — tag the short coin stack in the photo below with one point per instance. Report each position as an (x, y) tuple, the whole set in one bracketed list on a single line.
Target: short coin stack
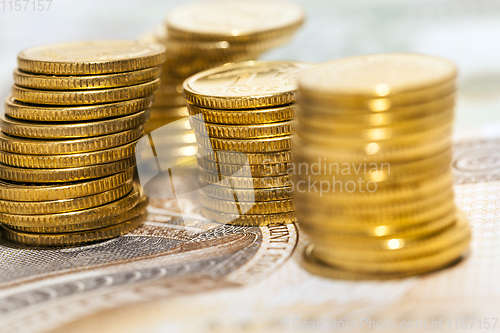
[(243, 112), (67, 146), (208, 34), (375, 132)]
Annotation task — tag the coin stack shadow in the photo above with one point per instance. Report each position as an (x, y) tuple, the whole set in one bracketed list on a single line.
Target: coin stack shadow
[(244, 137), (389, 117), (197, 41), (68, 140)]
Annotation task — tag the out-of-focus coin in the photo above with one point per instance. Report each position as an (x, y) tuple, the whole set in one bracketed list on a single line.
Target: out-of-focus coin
[(225, 20)]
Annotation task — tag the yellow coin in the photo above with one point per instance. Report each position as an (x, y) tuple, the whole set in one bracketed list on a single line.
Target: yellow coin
[(252, 195), (376, 76), (244, 117), (50, 82), (74, 238), (27, 129), (224, 20), (243, 158), (315, 266), (54, 147), (247, 208), (248, 220), (87, 219), (69, 161), (41, 192), (21, 175), (24, 111), (84, 97), (264, 145), (245, 85), (242, 131), (263, 170), (244, 182), (91, 57), (65, 205)]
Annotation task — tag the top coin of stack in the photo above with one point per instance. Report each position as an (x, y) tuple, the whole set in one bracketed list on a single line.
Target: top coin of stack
[(243, 112), (207, 34), (390, 212), (68, 141)]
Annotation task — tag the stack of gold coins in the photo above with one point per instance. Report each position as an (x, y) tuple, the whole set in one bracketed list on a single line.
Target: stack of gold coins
[(242, 119), (373, 150), (207, 34), (67, 146)]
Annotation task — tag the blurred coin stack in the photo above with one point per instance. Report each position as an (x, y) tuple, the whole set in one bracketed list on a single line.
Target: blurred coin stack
[(242, 119), (375, 132), (68, 140), (207, 34)]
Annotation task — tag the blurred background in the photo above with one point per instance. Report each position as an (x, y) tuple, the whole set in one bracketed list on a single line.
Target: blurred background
[(465, 31)]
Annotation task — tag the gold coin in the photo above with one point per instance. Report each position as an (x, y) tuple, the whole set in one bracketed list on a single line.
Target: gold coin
[(41, 192), (380, 249), (319, 219), (243, 158), (87, 219), (91, 57), (412, 205), (248, 220), (82, 97), (27, 129), (54, 147), (65, 205), (244, 182), (23, 111), (449, 252), (319, 127), (385, 136), (317, 267), (321, 169), (265, 194), (244, 117), (367, 118), (49, 82), (224, 20), (182, 48), (376, 76), (381, 231), (242, 131), (69, 161), (403, 192), (263, 170), (247, 208), (275, 144), (74, 238), (245, 85), (21, 175), (372, 152)]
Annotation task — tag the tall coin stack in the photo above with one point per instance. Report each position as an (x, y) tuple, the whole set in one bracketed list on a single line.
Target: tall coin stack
[(208, 34), (376, 200), (67, 146), (243, 113)]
